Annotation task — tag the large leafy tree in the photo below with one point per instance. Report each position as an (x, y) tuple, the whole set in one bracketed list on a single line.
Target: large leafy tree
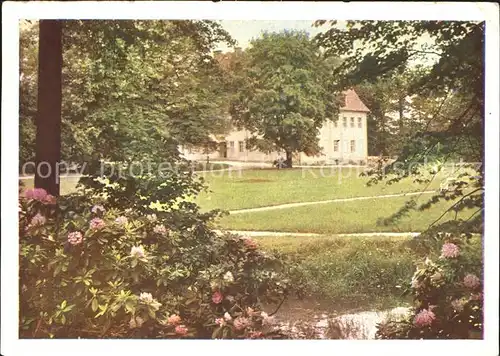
[(131, 89), (283, 97), (390, 120), (375, 49)]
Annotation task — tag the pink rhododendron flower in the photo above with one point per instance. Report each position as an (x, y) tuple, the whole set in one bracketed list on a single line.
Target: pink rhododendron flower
[(160, 229), (50, 200), (41, 195), (174, 319), (36, 194), (241, 323), (227, 316), (249, 243), (181, 330), (220, 321), (217, 297), (38, 220), (471, 281), (424, 318), (121, 220), (98, 209), (97, 224), (255, 334), (75, 238), (450, 250), (266, 319), (476, 296)]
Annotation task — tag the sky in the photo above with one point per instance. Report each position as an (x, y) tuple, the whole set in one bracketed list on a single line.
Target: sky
[(244, 31)]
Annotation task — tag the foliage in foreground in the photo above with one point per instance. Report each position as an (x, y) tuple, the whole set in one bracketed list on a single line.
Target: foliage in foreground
[(447, 293), (103, 263)]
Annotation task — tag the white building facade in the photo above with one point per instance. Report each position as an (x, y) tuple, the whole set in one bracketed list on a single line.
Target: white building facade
[(344, 140)]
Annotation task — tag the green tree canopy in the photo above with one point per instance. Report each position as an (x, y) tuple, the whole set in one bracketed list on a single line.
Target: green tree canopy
[(283, 97), (375, 50), (131, 89)]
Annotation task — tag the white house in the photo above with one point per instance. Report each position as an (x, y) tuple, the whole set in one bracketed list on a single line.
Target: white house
[(342, 141)]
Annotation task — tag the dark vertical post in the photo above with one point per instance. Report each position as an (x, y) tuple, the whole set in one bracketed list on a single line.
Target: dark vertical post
[(48, 120)]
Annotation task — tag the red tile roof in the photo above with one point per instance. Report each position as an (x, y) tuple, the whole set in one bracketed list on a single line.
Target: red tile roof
[(352, 102)]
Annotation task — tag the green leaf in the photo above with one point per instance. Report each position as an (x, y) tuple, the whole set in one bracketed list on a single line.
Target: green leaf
[(216, 333), (95, 304)]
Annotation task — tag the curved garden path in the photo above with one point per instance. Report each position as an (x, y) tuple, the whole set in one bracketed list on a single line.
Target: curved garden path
[(339, 200)]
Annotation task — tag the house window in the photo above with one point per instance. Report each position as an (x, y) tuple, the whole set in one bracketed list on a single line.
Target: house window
[(360, 122), (352, 122), (353, 146), (344, 121), (336, 144), (231, 146), (242, 147)]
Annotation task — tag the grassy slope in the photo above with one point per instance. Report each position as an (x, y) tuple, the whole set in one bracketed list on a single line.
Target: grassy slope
[(356, 273), (359, 273), (344, 217)]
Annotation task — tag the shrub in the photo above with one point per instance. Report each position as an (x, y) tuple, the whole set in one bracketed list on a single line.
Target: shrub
[(447, 295), (111, 261)]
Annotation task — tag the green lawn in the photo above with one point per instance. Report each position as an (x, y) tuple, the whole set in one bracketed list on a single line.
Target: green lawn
[(344, 217), (68, 184), (355, 273), (263, 187), (358, 273)]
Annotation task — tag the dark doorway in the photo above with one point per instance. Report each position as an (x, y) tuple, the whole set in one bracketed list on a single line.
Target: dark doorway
[(222, 149)]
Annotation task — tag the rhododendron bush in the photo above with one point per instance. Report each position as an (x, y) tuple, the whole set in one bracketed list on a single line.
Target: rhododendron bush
[(447, 290), (104, 262)]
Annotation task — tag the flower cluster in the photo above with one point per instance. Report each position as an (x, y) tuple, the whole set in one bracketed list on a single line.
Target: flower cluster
[(217, 297), (174, 319), (471, 281), (450, 250), (40, 195), (250, 244), (88, 237), (160, 230), (228, 277), (97, 224), (447, 296), (424, 318), (121, 221), (137, 252), (75, 237), (38, 220)]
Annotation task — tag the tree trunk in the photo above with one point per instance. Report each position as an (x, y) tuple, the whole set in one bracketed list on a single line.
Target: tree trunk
[(289, 157), (48, 119)]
